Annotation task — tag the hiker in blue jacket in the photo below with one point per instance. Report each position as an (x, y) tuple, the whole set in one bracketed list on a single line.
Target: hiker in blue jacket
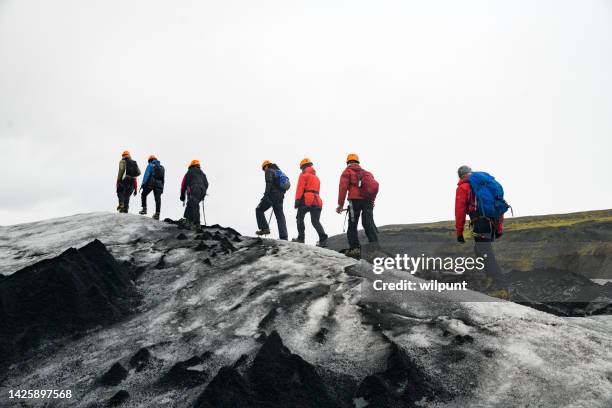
[(153, 180)]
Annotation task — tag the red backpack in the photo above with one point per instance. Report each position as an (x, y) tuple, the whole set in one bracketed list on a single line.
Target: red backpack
[(368, 186)]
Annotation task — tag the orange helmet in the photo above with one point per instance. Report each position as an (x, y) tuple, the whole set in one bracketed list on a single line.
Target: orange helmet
[(194, 163), (152, 157), (305, 161), (125, 153), (265, 164), (352, 157)]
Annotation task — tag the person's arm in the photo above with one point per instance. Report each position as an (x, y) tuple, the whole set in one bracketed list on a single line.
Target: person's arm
[(269, 181), (121, 170), (499, 227), (147, 174), (461, 205), (299, 191), (183, 187), (343, 187), (205, 181)]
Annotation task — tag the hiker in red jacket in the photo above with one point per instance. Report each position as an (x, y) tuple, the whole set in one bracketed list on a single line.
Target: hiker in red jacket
[(359, 205), (485, 230), (308, 200)]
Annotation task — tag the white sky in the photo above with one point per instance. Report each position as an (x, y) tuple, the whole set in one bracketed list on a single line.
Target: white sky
[(519, 88)]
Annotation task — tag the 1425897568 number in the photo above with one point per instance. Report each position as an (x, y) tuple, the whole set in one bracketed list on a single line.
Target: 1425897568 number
[(40, 394)]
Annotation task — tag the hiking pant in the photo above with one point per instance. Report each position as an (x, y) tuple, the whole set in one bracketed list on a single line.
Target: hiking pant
[(156, 193), (364, 209), (192, 210), (275, 201), (484, 235), (315, 216), (124, 191)]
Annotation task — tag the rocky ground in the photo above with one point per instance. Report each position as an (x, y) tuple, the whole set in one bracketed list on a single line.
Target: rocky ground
[(142, 314)]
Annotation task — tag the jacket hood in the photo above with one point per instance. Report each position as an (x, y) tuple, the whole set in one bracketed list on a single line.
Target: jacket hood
[(464, 181), (354, 166), (155, 162), (309, 170)]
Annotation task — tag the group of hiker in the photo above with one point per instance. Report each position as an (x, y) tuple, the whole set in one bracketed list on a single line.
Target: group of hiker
[(478, 196), (357, 186), (193, 187)]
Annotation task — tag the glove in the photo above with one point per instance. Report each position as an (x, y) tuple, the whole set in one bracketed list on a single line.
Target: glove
[(182, 198), (339, 209), (460, 239), (135, 193), (297, 205), (498, 234)]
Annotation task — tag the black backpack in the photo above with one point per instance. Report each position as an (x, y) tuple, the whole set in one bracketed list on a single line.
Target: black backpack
[(131, 168), (158, 172)]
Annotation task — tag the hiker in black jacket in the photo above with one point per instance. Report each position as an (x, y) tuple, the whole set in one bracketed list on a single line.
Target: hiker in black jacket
[(273, 197), (194, 185)]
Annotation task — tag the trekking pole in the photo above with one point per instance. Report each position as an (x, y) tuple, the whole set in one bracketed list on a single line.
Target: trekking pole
[(204, 213), (270, 219), (345, 218)]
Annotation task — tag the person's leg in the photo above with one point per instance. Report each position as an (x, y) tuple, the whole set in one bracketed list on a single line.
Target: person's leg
[(260, 213), (483, 248), (351, 232), (301, 227), (119, 196), (315, 218), (367, 221), (280, 219), (196, 210), (157, 194), (128, 189), (192, 214), (143, 199)]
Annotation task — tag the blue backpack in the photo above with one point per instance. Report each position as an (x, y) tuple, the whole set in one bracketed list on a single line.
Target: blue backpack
[(283, 180), (488, 195)]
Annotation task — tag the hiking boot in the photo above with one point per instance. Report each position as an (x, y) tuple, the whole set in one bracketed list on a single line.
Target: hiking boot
[(120, 208), (322, 243), (298, 240), (265, 231), (196, 227), (156, 216), (143, 211), (500, 294), (353, 253)]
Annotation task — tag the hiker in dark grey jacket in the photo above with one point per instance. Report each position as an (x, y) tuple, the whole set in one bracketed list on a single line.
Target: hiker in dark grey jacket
[(194, 185), (273, 198)]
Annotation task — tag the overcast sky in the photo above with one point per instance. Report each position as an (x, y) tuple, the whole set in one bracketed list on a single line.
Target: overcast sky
[(519, 88)]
